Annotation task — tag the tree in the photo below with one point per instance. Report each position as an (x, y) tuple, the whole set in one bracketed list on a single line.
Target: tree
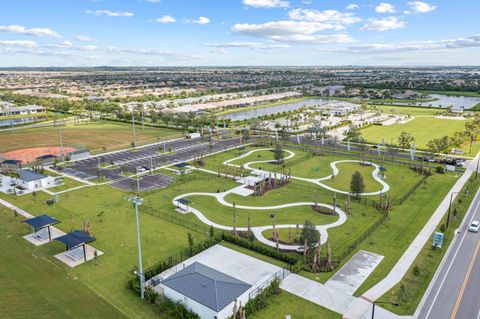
[(405, 140), (278, 153), (309, 234), (353, 133), (190, 243), (357, 185)]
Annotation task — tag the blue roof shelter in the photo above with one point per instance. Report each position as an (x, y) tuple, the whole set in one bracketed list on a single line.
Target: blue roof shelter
[(76, 239), (181, 165), (40, 222)]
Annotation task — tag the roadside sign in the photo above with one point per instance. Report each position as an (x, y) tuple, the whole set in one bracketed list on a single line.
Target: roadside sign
[(437, 239)]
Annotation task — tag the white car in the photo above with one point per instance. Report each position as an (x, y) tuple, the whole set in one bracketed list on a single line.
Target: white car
[(474, 226)]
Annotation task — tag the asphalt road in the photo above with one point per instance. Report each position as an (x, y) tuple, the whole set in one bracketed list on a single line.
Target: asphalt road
[(455, 292)]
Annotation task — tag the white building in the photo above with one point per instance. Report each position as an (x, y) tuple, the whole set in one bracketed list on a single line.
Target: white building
[(33, 181), (205, 291)]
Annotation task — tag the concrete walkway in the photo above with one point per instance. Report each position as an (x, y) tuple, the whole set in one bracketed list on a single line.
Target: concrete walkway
[(257, 231), (317, 181)]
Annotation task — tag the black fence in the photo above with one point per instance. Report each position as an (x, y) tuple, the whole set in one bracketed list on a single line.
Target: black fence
[(177, 220)]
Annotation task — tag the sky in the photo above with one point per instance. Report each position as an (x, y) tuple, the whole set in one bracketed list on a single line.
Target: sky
[(239, 32)]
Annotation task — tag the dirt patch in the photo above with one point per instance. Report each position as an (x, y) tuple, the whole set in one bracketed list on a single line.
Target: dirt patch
[(323, 210), (27, 155)]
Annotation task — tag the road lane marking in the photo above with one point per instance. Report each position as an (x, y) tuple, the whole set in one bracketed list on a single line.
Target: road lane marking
[(452, 260), (465, 281)]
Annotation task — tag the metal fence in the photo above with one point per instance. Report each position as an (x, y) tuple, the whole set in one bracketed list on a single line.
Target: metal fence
[(279, 275)]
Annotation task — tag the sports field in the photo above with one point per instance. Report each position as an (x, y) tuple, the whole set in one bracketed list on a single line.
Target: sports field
[(423, 129), (96, 137)]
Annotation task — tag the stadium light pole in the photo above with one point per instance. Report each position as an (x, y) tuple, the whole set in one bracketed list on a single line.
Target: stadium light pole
[(133, 126), (137, 201), (60, 138)]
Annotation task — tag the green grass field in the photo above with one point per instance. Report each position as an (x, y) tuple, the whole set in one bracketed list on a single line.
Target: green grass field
[(96, 137), (33, 285), (407, 110), (288, 304), (423, 129), (112, 220), (429, 259), (113, 225)]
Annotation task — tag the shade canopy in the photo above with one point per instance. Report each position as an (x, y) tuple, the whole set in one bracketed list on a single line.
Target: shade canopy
[(75, 239), (183, 201), (181, 165), (41, 221)]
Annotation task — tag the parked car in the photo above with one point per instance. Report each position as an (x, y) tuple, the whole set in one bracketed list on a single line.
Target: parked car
[(474, 226), (9, 190), (141, 169)]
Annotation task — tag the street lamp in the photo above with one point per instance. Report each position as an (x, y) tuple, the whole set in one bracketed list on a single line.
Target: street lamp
[(137, 201), (450, 207), (382, 302)]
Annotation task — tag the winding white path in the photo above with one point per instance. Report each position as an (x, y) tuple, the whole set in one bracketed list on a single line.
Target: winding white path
[(318, 181), (257, 230)]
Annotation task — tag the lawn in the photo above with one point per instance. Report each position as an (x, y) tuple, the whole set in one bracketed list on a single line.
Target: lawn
[(422, 129), (407, 110), (394, 236), (285, 303), (342, 179), (97, 137), (112, 222), (33, 285), (416, 282)]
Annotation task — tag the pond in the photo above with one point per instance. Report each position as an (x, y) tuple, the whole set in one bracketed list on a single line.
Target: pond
[(23, 120), (444, 101), (274, 109)]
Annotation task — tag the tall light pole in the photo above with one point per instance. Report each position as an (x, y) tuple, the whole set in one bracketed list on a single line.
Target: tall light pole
[(137, 201), (60, 138), (133, 126), (143, 123), (450, 207)]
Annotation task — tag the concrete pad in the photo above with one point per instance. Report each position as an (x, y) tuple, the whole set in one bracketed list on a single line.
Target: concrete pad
[(242, 191), (54, 232), (249, 180), (317, 293), (352, 275), (89, 252), (240, 266)]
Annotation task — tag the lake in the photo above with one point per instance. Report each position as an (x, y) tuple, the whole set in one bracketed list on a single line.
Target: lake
[(445, 101), (274, 109)]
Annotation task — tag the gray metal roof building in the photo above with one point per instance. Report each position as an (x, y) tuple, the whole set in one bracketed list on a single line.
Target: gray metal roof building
[(30, 176), (207, 286)]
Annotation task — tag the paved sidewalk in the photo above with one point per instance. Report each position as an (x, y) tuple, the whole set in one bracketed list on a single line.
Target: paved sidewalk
[(407, 259)]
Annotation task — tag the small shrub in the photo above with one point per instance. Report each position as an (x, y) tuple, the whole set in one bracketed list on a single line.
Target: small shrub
[(416, 271)]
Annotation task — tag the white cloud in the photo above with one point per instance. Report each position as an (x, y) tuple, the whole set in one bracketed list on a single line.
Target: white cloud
[(19, 43), (385, 7), (20, 29), (266, 3), (330, 16), (109, 13), (384, 24), (246, 44), (439, 45), (154, 1), (351, 6), (165, 19), (83, 38), (421, 7), (293, 31), (67, 43), (200, 20)]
